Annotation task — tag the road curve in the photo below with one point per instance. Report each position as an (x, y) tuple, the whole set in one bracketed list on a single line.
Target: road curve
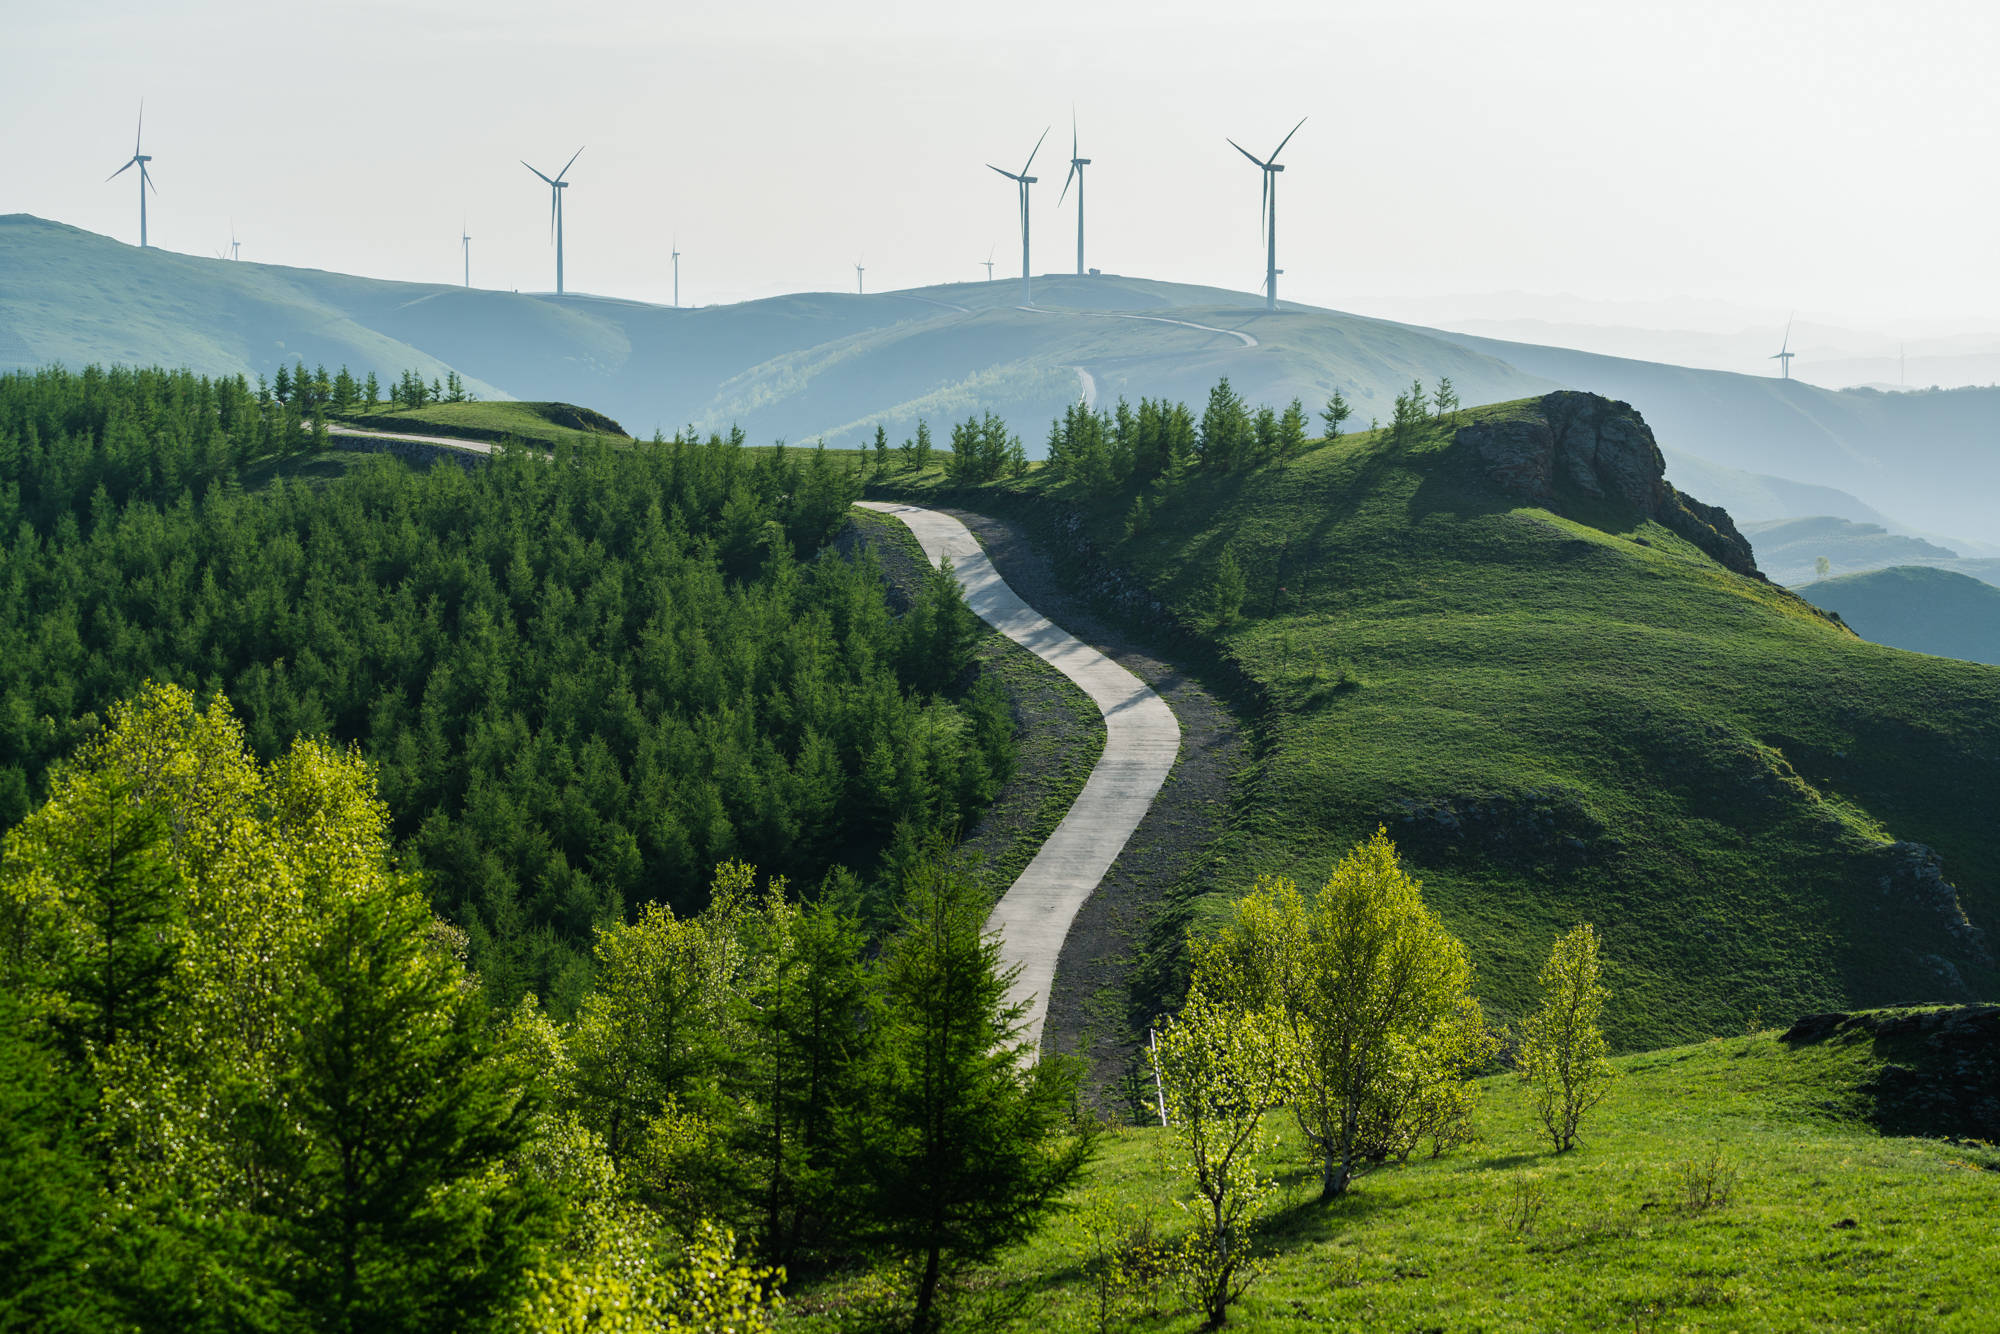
[(1141, 742), (450, 441)]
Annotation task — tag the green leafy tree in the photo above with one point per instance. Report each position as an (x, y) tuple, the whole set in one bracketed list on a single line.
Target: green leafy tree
[(1221, 1068), (1226, 429), (960, 1139), (1375, 992), (1336, 411), (1822, 567), (394, 1120), (1292, 429), (1446, 399), (1562, 1044), (1228, 589)]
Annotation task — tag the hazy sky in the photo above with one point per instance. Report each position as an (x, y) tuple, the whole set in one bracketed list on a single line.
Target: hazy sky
[(1834, 157)]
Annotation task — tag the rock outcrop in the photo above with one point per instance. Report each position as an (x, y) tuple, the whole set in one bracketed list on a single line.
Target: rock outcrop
[(1940, 1072), (1594, 448)]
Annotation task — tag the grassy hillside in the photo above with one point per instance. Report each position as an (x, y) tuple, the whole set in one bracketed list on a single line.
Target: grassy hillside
[(1566, 711), (1917, 608), (1737, 1184), (546, 424), (1788, 550)]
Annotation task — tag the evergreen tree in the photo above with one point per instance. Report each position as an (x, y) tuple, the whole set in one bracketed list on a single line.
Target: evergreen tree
[(389, 1203), (1292, 430), (371, 390), (881, 450), (1446, 399), (1226, 429), (1336, 411), (958, 1137)]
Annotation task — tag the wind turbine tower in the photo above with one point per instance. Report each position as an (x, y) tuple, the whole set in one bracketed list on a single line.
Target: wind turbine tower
[(1024, 180), (235, 246), (860, 288), (556, 187), (989, 265), (1076, 166), (676, 243), (139, 160), (1267, 213), (1783, 356), (465, 245)]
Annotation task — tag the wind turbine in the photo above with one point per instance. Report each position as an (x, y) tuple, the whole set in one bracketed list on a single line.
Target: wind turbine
[(1076, 166), (556, 186), (233, 249), (465, 244), (1024, 180), (1783, 356), (139, 160), (676, 244), (1267, 213), (989, 264), (860, 289)]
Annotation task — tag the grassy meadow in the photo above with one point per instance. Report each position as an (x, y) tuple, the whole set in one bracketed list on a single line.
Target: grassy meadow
[(1730, 1184)]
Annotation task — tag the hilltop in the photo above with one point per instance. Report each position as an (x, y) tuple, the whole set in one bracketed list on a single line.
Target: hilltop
[(1567, 692), (838, 365), (1918, 608)]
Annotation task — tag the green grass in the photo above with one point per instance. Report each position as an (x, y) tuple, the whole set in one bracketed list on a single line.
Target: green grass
[(1504, 1235), (543, 424), (1917, 608), (1579, 718)]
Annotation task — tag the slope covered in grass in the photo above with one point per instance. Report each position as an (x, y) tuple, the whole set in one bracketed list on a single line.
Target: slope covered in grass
[(546, 424), (1911, 606), (1736, 1184), (1566, 710)]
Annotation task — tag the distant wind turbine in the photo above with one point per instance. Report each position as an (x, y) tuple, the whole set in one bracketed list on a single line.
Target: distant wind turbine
[(139, 160), (1076, 166), (465, 244), (234, 249), (1267, 213), (1024, 180), (859, 287), (676, 243), (989, 263), (556, 186), (1783, 356)]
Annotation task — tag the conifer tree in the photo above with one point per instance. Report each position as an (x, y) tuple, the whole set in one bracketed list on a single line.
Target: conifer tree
[(1336, 411), (958, 1138)]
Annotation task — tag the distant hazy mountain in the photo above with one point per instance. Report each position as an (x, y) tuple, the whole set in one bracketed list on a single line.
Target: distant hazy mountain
[(1914, 607), (837, 365), (1789, 550)]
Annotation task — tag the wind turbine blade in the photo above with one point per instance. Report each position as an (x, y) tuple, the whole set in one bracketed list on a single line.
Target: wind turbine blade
[(1004, 172), (1245, 152), (555, 199), (140, 133), (1072, 134), (571, 163), (1038, 148), (121, 171), (524, 162), (1066, 180), (1287, 139), (147, 177), (1263, 203)]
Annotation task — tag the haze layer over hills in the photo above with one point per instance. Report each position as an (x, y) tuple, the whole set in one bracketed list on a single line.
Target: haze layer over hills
[(836, 366)]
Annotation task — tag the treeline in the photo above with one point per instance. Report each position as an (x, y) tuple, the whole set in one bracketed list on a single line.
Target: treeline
[(585, 680), (1103, 451), (246, 1083)]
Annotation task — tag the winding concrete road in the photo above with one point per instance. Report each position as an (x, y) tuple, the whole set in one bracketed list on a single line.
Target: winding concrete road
[(1141, 742)]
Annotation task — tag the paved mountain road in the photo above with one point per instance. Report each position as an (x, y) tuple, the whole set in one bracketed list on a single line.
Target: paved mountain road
[(1141, 742)]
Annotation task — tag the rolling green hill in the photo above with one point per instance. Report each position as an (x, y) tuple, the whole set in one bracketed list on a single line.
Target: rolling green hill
[(1509, 642), (1788, 550), (544, 424), (1914, 607), (837, 365)]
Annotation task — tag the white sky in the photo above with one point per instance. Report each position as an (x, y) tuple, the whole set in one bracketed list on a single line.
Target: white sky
[(1833, 157)]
